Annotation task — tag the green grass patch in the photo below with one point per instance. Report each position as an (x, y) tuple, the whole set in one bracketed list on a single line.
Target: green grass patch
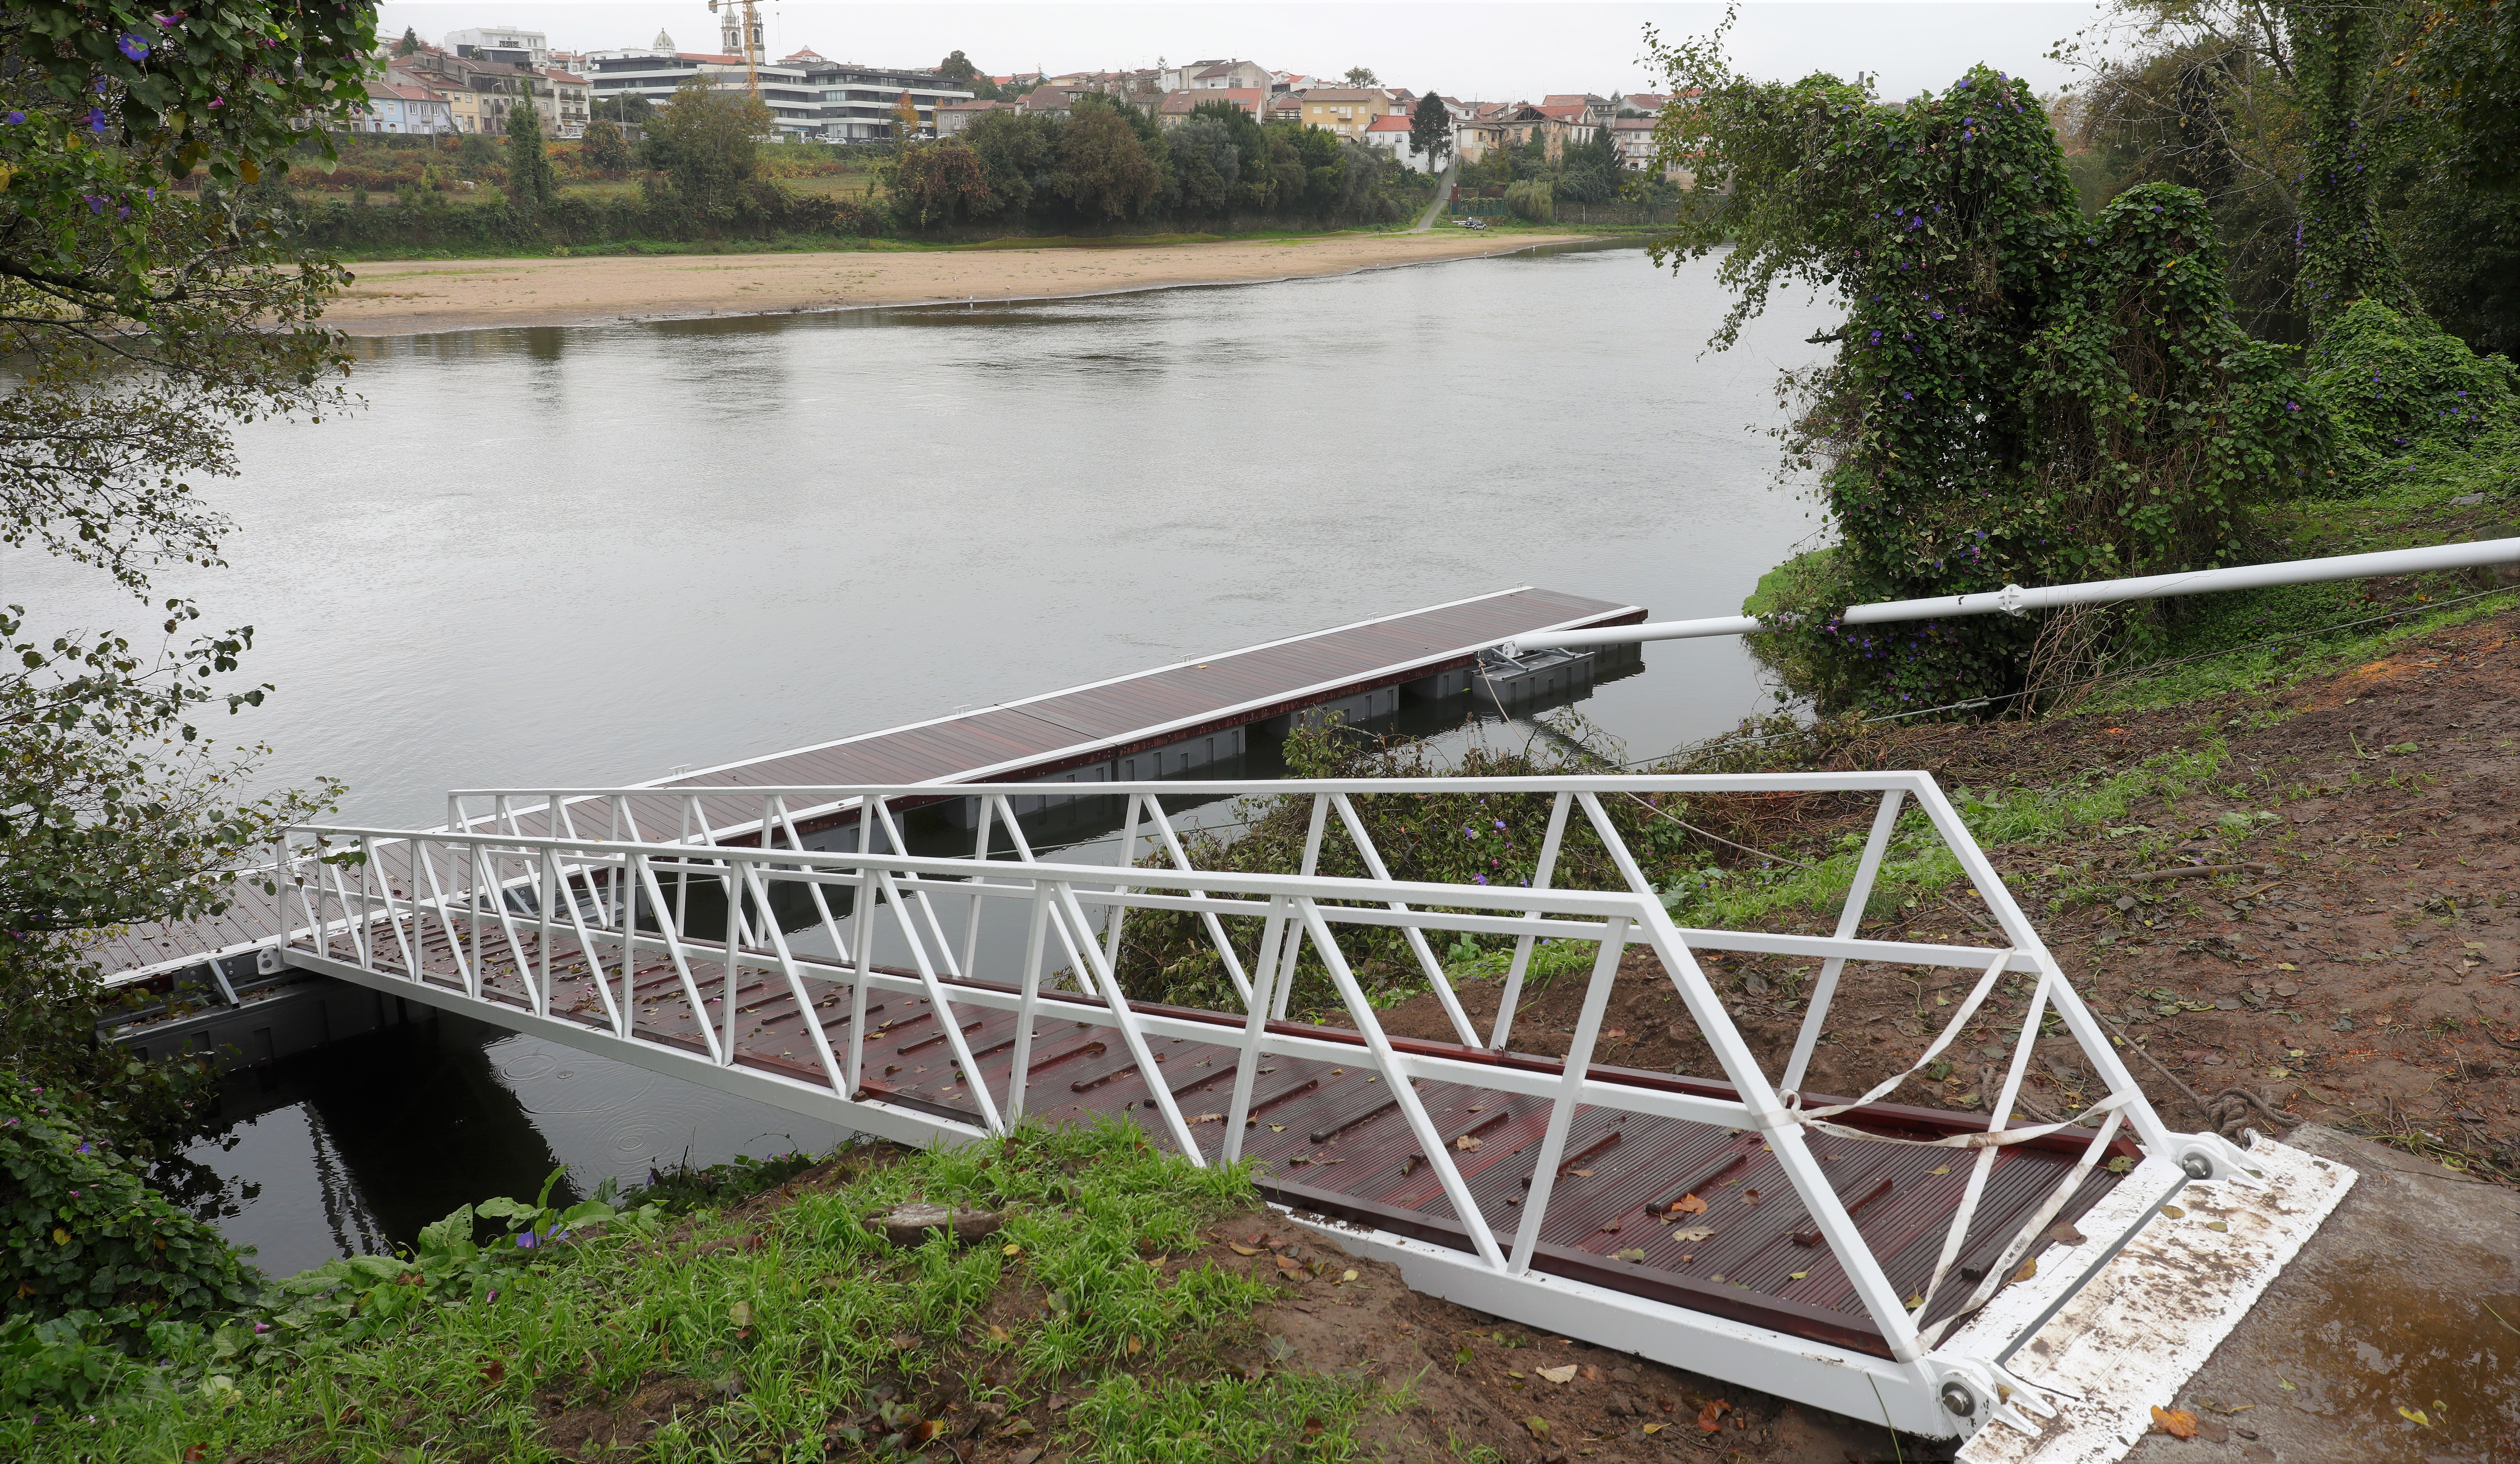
[(783, 1332)]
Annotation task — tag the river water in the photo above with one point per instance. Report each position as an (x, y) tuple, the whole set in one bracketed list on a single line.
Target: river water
[(592, 556)]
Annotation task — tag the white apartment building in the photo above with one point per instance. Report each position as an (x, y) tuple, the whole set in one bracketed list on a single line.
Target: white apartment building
[(529, 49), (810, 98)]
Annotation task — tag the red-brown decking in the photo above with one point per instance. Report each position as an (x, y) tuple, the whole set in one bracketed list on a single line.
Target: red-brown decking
[(1014, 741), (1328, 1140)]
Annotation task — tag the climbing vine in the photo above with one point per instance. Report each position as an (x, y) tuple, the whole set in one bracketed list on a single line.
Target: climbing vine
[(2020, 394)]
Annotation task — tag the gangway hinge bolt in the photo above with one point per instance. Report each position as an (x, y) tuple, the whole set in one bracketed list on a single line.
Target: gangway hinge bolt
[(2198, 1167), (1958, 1399)]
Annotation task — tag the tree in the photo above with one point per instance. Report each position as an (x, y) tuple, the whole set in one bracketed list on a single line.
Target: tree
[(1363, 76), (141, 321), (1103, 171), (409, 45), (936, 183), (604, 147), (631, 108), (2019, 395), (1208, 165), (2345, 258), (956, 67), (531, 183), (904, 117), (2465, 59), (1015, 152), (707, 142), (1430, 130)]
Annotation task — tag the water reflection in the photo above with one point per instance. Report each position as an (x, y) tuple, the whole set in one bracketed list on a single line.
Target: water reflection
[(351, 1149)]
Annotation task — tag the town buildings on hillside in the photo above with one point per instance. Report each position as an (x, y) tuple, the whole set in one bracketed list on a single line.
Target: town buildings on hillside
[(470, 83)]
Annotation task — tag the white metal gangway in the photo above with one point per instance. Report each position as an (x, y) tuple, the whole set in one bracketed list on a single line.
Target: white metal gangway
[(1902, 1264)]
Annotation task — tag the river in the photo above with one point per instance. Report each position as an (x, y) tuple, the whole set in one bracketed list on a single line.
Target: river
[(591, 555)]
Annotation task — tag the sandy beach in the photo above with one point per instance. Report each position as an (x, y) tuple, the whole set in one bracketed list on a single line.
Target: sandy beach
[(402, 298)]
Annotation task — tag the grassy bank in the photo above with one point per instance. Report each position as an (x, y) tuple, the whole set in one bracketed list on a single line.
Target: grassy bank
[(780, 1327)]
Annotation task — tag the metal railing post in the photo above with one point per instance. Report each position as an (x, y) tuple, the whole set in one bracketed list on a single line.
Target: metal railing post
[(1571, 1089), (1850, 921), (1511, 996)]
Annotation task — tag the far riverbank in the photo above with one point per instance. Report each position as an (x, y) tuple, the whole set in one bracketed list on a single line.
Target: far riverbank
[(403, 297)]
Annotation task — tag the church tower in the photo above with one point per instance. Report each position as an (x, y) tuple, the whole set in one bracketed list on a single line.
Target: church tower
[(738, 30)]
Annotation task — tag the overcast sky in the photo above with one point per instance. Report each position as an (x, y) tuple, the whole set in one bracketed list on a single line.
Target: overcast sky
[(1490, 52)]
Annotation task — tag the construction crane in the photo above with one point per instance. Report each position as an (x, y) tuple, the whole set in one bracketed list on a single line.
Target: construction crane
[(748, 37)]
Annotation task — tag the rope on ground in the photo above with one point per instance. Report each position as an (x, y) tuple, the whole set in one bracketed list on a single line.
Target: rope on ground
[(2229, 1109)]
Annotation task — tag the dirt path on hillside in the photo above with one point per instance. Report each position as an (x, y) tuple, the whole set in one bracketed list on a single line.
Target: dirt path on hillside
[(403, 297)]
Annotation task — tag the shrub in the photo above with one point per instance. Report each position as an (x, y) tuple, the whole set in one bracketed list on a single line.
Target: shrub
[(1531, 200), (81, 1230), (2393, 381)]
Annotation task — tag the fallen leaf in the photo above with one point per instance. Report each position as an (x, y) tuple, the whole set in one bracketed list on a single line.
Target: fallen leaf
[(1277, 1128), (904, 1342), (2285, 965), (2064, 1233), (1580, 1173), (1798, 1275), (1564, 1374), (1612, 1228), (1518, 1377), (2285, 1383), (1631, 1256), (1945, 1169), (2174, 1211), (1011, 1250), (1279, 1347), (1131, 1347), (1750, 1197), (2028, 1269), (1711, 1417), (1689, 1205), (1652, 1429), (999, 1334), (2414, 1415), (1914, 1302), (2177, 1423), (1466, 1144), (1692, 1236), (1289, 1265), (740, 1314), (1539, 1427), (2217, 1226), (1207, 1118), (494, 1372), (1346, 1276)]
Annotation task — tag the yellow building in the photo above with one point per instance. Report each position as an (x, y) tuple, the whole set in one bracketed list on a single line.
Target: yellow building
[(1347, 113)]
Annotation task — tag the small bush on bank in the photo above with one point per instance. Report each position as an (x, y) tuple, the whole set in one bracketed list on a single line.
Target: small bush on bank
[(81, 1230), (2394, 383)]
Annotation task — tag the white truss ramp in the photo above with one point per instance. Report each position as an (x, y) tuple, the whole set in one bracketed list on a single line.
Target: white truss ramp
[(1895, 1263)]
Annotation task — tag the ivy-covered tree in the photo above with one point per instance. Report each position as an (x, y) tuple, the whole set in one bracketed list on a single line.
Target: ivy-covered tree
[(2344, 255), (1103, 171), (2018, 394), (409, 45), (531, 183)]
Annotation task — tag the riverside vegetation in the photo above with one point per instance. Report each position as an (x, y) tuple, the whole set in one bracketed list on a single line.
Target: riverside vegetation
[(2054, 390)]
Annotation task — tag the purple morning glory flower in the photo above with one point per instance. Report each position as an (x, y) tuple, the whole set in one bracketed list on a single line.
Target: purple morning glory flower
[(525, 1241), (96, 120), (83, 1149), (95, 205), (165, 23), (132, 47), (1478, 880), (15, 118)]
